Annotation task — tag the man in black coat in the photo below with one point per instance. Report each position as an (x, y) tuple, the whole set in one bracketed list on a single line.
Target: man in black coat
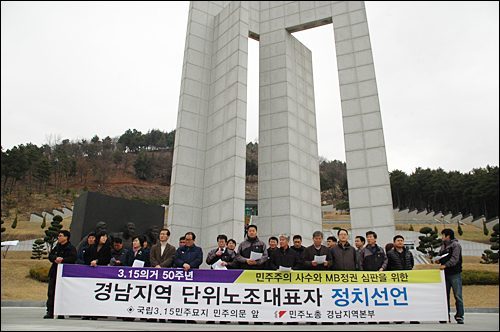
[(299, 248), (400, 258), (284, 255), (63, 253), (344, 255)]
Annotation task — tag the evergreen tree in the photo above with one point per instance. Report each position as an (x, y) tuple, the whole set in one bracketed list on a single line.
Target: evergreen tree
[(429, 242), (44, 222), (38, 249), (14, 223), (411, 228), (491, 255), (486, 231), (3, 228), (53, 232)]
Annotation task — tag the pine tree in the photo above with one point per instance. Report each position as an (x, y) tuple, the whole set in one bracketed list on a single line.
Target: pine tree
[(14, 223), (460, 231), (44, 222), (489, 256), (53, 232), (429, 242), (486, 231), (411, 228), (3, 228), (38, 249)]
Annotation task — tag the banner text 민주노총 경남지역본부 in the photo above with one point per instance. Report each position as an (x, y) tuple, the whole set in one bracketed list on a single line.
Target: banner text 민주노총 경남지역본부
[(258, 296)]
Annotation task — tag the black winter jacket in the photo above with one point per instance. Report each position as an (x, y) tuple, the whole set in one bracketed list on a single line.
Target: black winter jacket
[(400, 261), (285, 258), (67, 251)]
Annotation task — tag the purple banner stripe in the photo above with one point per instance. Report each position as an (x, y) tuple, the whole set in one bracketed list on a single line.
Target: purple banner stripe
[(149, 273)]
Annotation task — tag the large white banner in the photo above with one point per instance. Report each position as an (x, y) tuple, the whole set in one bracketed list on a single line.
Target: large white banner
[(251, 296)]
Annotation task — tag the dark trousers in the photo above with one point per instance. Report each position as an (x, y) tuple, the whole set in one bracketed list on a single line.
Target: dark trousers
[(50, 295)]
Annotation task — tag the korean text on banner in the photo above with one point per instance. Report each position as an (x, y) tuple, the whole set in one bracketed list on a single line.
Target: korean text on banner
[(251, 296)]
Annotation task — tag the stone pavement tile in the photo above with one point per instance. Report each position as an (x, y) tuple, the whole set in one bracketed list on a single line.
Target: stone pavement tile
[(30, 319)]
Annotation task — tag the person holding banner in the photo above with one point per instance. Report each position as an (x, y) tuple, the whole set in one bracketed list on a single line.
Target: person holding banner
[(343, 254), (63, 253), (372, 257), (117, 253), (252, 253), (317, 256), (100, 252), (284, 258), (189, 256), (399, 258), (81, 253), (137, 253), (221, 253), (450, 255)]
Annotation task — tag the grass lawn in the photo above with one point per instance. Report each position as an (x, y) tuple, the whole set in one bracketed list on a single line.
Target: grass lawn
[(471, 232), (27, 230)]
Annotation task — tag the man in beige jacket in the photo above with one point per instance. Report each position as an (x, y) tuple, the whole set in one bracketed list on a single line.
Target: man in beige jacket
[(162, 254)]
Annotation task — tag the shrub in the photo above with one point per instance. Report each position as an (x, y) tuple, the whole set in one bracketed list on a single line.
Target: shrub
[(38, 249), (429, 242), (44, 222), (486, 231), (337, 227), (40, 273), (489, 256), (411, 228), (473, 277), (52, 232), (460, 231), (3, 228)]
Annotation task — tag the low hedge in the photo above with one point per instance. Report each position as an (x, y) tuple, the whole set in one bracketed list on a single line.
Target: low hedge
[(473, 277), (40, 273)]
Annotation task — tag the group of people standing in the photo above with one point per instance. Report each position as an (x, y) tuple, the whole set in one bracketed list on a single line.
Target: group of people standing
[(252, 254)]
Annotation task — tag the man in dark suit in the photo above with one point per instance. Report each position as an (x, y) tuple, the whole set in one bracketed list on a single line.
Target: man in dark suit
[(312, 252)]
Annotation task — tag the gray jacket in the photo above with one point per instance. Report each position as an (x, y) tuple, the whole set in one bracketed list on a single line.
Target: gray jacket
[(244, 250), (369, 261), (453, 261)]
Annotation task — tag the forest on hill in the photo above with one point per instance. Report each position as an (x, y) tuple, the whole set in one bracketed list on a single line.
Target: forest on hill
[(147, 158)]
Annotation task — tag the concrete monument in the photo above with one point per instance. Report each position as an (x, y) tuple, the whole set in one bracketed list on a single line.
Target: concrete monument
[(208, 178)]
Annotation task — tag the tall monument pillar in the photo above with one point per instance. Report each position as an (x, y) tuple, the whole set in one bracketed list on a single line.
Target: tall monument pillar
[(208, 177)]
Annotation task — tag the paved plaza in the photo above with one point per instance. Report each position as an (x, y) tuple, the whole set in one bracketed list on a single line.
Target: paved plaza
[(30, 319)]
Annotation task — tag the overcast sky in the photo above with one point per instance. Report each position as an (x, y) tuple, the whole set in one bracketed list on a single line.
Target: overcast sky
[(77, 69)]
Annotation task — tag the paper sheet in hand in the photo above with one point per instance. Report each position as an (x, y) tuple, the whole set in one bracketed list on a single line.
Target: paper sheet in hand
[(254, 256), (138, 263), (285, 269), (320, 259), (218, 265), (439, 257)]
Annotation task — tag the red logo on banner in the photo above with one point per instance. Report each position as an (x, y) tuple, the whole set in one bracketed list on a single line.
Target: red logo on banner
[(282, 313)]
